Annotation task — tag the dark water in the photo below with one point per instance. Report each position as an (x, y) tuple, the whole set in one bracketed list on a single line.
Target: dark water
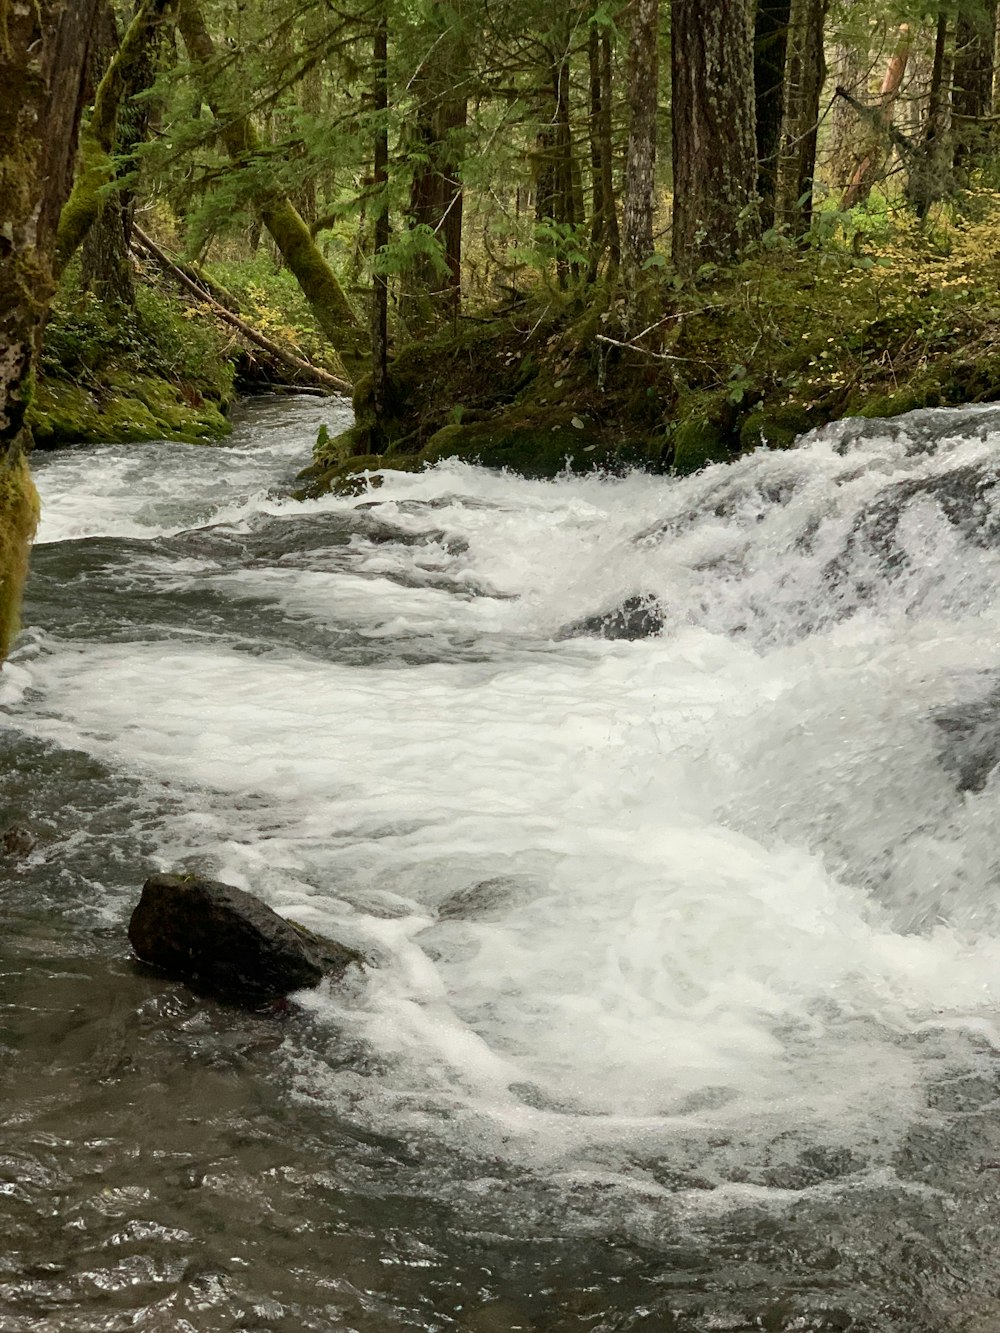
[(167, 1163)]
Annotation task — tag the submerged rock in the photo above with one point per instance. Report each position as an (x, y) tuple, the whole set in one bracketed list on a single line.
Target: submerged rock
[(17, 842), (227, 942), (638, 617)]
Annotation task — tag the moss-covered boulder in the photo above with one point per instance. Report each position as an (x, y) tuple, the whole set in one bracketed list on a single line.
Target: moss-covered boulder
[(125, 407)]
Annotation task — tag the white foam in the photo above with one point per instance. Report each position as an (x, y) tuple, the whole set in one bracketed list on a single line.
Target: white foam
[(734, 881)]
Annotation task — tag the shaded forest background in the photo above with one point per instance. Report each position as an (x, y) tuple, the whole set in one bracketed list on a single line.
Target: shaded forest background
[(533, 235)]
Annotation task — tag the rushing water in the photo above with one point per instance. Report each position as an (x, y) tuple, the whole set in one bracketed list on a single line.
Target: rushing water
[(683, 952)]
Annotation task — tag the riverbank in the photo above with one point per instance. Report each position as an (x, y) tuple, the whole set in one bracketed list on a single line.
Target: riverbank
[(874, 323)]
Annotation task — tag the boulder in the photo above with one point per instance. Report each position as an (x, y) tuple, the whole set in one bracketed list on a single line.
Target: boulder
[(227, 942), (638, 617), (17, 842)]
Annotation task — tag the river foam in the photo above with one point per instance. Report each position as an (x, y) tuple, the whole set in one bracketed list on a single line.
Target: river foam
[(694, 895)]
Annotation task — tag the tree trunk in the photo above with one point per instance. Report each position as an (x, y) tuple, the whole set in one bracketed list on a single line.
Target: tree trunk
[(972, 97), (43, 53), (930, 175), (607, 154), (122, 79), (714, 145), (769, 47), (640, 159), (380, 214), (805, 71), (436, 197), (870, 162), (851, 71), (105, 263), (290, 234)]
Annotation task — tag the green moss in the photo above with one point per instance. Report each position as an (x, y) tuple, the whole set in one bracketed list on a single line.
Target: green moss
[(125, 408), (774, 426), (18, 520)]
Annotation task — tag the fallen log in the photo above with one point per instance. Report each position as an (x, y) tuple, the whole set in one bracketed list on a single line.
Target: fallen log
[(333, 383)]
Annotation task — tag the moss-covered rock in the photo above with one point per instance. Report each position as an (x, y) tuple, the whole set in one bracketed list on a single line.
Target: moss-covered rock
[(125, 407)]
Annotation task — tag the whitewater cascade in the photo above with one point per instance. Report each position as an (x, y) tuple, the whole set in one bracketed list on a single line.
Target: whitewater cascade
[(695, 923)]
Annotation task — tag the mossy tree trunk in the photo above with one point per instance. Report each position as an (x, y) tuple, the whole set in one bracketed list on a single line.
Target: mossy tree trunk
[(104, 255), (714, 144), (43, 52), (289, 232), (128, 73)]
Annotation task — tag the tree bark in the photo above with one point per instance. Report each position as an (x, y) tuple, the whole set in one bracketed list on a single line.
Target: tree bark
[(972, 97), (436, 196), (714, 145), (852, 66), (43, 53), (805, 71), (640, 158), (284, 223), (769, 47), (122, 79), (930, 175), (380, 214)]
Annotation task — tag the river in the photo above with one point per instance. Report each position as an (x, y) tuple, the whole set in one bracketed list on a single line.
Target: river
[(683, 952)]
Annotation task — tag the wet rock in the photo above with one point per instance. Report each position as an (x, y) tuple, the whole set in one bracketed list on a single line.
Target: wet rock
[(227, 942), (969, 737), (638, 617), (17, 842)]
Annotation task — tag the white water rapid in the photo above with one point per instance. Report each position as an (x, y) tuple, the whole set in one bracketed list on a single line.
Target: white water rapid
[(666, 914)]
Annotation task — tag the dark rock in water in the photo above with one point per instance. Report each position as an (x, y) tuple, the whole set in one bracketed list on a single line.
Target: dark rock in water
[(487, 899), (970, 741), (228, 942), (17, 841), (638, 617)]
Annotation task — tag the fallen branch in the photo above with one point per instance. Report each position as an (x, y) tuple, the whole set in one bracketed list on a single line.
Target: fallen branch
[(331, 382), (644, 351)]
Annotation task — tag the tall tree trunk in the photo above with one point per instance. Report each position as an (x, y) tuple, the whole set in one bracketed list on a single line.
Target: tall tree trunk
[(43, 53), (436, 195), (607, 153), (852, 66), (640, 159), (714, 145), (122, 79), (284, 223), (975, 64), (930, 175), (770, 44), (105, 263), (805, 71), (877, 145), (380, 215), (598, 215)]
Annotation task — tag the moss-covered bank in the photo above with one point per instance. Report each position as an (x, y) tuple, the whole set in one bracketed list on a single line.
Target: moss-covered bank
[(120, 374), (789, 340)]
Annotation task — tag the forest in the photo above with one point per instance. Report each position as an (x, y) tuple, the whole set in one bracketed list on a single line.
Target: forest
[(622, 235)]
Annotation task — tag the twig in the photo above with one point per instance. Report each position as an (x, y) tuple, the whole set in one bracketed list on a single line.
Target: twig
[(631, 347)]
